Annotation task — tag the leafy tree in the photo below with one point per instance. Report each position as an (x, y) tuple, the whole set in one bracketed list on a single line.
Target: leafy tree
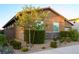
[(30, 18)]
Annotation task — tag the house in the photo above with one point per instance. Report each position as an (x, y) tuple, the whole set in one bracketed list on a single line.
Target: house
[(55, 22), (75, 21)]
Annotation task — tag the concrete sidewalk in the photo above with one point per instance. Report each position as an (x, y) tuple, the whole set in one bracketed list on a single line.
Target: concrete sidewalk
[(64, 50)]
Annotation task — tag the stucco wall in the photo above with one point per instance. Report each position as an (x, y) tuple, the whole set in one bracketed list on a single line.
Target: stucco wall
[(10, 33), (20, 36), (54, 18)]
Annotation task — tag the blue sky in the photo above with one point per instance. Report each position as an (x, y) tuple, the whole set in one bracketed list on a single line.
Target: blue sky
[(7, 11)]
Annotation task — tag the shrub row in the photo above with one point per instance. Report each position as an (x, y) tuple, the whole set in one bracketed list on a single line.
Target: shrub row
[(72, 35), (37, 36)]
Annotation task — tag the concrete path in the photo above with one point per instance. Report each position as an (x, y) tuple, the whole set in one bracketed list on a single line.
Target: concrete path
[(64, 50)]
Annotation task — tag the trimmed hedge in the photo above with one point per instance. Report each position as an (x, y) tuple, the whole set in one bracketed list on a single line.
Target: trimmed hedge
[(37, 36)]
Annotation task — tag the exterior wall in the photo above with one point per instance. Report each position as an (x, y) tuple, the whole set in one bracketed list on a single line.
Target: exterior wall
[(10, 32), (54, 18), (18, 33), (20, 36), (62, 24), (15, 33)]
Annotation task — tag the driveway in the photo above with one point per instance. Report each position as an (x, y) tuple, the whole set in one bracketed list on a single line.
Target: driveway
[(64, 50)]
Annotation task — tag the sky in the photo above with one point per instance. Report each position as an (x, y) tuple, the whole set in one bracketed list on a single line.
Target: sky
[(7, 11)]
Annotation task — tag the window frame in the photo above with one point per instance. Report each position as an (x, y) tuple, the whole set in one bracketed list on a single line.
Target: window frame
[(54, 24)]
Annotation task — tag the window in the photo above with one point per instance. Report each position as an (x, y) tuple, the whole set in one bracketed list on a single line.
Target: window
[(55, 27)]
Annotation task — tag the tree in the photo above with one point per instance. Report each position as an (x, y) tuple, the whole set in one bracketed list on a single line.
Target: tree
[(30, 17)]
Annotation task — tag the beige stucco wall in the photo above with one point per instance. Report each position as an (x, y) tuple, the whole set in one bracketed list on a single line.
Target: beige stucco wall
[(20, 36), (54, 18)]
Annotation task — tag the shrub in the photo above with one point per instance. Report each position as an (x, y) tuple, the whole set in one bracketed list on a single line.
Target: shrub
[(53, 44), (2, 39), (62, 39), (64, 34), (15, 44), (65, 39), (1, 31), (12, 42), (70, 35), (43, 47), (37, 36), (68, 39), (74, 34), (24, 49), (55, 39), (6, 49)]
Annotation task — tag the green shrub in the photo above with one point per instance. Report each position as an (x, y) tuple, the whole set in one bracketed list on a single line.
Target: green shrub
[(70, 35), (2, 32), (43, 47), (62, 39), (24, 49), (65, 39), (68, 39), (74, 34), (53, 44), (2, 39), (55, 39), (64, 34), (12, 42), (15, 44), (37, 36)]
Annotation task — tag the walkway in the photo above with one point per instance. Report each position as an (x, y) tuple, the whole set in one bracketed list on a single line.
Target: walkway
[(63, 50)]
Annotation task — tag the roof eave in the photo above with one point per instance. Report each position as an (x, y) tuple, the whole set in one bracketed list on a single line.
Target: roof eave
[(13, 19)]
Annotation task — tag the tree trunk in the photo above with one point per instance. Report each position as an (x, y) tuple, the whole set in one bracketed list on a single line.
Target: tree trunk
[(30, 45), (33, 37)]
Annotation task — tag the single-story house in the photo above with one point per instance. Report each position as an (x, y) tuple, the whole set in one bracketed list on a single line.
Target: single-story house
[(55, 22)]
